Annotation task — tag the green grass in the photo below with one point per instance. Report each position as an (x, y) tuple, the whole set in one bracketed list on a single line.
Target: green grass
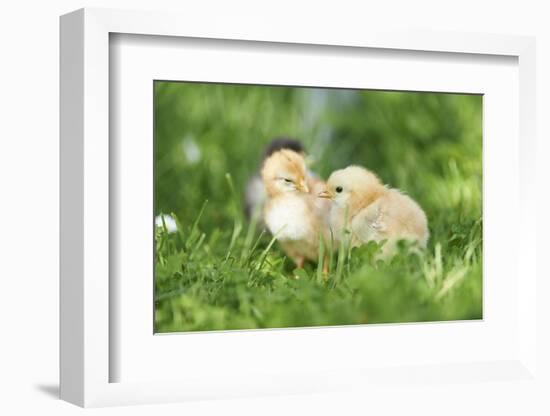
[(220, 272)]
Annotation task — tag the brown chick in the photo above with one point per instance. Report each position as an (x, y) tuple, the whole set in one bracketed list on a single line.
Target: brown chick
[(292, 213), (373, 211)]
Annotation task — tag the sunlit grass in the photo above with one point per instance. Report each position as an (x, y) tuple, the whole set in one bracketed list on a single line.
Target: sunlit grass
[(255, 286)]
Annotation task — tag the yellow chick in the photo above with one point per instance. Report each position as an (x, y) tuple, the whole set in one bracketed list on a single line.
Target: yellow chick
[(373, 211), (255, 193), (292, 213)]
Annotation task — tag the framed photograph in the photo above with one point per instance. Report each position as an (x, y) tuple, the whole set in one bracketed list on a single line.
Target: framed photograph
[(266, 212)]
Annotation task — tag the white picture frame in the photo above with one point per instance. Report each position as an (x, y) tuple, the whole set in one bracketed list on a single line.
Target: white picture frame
[(86, 328)]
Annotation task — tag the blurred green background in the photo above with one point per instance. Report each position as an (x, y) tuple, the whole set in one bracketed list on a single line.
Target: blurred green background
[(218, 274)]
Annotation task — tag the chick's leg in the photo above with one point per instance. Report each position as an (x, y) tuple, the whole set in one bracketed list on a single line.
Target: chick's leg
[(325, 267), (299, 262)]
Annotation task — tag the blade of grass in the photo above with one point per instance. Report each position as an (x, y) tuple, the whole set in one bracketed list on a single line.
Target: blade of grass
[(321, 259), (179, 227), (342, 250), (237, 211), (193, 235), (237, 228), (249, 237), (253, 249), (266, 251), (340, 262), (197, 246), (330, 253)]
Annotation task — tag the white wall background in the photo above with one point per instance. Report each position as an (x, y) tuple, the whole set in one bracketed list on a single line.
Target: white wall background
[(29, 205)]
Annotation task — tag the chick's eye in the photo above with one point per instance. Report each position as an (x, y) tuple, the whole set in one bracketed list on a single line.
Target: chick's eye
[(339, 189), (288, 180)]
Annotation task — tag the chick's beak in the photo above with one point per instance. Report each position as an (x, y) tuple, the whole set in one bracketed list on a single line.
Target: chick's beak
[(302, 186), (325, 194)]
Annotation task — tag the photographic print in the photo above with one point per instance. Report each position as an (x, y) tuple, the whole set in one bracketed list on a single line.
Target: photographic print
[(286, 206)]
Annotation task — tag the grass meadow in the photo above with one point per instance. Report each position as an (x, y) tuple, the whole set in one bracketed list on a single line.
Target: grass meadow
[(216, 271)]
